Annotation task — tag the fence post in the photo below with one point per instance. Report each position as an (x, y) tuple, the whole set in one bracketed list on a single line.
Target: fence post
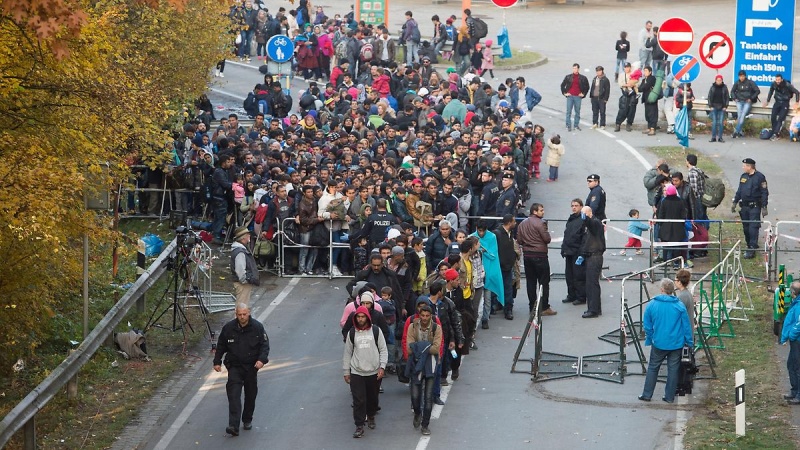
[(72, 384), (29, 431), (141, 260), (740, 405)]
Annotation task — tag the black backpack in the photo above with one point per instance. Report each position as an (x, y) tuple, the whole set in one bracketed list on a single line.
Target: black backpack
[(352, 334), (480, 27), (464, 48)]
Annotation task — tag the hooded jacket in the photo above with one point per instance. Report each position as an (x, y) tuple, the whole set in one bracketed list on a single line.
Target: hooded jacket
[(363, 356), (791, 324), (666, 323)]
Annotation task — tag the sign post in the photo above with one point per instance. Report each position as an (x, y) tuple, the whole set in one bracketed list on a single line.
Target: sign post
[(675, 36), (373, 12), (280, 49), (686, 68), (764, 39)]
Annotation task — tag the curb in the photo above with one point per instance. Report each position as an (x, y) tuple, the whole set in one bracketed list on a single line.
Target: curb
[(539, 62)]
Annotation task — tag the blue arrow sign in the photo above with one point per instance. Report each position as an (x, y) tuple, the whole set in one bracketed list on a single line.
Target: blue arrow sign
[(763, 44), (679, 68), (280, 48)]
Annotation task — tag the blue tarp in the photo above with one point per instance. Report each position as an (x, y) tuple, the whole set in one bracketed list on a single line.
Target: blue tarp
[(503, 42), (682, 127)]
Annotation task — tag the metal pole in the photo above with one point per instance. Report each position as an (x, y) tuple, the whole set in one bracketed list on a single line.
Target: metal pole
[(85, 285)]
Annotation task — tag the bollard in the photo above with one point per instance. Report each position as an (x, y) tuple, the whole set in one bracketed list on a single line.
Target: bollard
[(141, 260), (72, 384), (29, 430), (740, 412)]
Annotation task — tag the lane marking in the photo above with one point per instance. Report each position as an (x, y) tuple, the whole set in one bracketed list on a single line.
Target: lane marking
[(214, 377), (635, 153), (227, 94), (681, 418)]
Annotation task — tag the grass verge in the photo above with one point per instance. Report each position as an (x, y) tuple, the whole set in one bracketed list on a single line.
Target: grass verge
[(754, 349), (111, 390), (518, 57)]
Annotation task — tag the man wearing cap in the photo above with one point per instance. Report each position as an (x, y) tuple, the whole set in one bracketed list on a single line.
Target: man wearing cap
[(487, 203), (502, 90), (744, 92), (574, 87), (753, 196), (597, 197), (533, 237), (507, 199), (601, 88), (375, 227), (243, 266)]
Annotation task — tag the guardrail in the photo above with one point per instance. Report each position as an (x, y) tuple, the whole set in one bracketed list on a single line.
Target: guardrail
[(24, 414)]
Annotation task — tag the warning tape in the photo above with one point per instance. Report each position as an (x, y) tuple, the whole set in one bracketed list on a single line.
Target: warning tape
[(791, 238), (628, 233)]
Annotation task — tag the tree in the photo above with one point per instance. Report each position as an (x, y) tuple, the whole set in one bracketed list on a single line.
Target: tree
[(83, 84)]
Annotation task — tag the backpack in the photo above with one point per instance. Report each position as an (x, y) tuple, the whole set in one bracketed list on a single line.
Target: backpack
[(765, 134), (714, 192), (341, 50), (415, 36), (265, 248), (366, 53), (480, 27), (352, 334), (464, 48)]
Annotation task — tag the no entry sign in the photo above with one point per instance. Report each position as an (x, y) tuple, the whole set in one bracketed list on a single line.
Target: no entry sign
[(716, 50), (675, 36), (504, 3)]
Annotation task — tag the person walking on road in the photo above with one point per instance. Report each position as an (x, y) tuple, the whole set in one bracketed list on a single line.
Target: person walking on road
[(667, 330), (753, 196), (364, 362), (423, 341), (591, 254), (244, 344), (601, 88), (533, 237), (791, 334), (243, 266), (574, 87), (744, 92)]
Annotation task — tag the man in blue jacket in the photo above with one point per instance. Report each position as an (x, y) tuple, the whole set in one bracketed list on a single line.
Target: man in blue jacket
[(791, 333), (524, 99), (667, 330)]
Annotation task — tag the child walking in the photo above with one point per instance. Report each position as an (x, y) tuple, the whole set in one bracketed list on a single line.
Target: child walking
[(488, 59), (555, 150), (635, 227)]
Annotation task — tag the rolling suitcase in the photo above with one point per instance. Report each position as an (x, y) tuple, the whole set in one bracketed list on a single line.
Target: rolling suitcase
[(686, 371)]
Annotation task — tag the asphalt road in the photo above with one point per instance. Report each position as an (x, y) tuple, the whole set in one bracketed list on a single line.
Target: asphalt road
[(303, 401)]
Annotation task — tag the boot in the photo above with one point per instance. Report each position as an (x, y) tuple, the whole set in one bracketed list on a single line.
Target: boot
[(616, 77), (652, 132), (628, 127), (616, 127)]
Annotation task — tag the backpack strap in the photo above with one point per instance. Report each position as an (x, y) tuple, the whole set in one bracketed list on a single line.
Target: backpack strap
[(352, 335)]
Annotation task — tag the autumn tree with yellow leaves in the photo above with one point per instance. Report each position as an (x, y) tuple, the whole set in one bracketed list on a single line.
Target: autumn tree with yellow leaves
[(83, 84)]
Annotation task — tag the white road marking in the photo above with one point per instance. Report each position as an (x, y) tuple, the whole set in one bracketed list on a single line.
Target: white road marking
[(213, 377), (227, 94), (681, 417), (635, 153)]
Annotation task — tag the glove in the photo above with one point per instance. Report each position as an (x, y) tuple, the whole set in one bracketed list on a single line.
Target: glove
[(733, 207), (764, 212), (579, 261)]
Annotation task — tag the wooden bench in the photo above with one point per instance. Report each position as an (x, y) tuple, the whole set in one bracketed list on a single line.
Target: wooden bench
[(756, 109)]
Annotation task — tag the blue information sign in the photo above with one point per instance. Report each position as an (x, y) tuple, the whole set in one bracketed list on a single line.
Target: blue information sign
[(764, 39), (280, 48), (686, 68)]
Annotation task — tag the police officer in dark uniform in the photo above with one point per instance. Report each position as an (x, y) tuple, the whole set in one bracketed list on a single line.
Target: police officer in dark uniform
[(489, 195), (245, 345), (375, 227), (591, 256), (753, 196), (507, 200), (597, 197)]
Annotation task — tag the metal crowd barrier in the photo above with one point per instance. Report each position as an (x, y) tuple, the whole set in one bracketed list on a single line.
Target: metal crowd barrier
[(287, 243), (773, 241)]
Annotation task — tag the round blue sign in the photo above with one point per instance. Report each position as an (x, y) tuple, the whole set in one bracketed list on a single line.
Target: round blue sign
[(686, 68), (280, 48)]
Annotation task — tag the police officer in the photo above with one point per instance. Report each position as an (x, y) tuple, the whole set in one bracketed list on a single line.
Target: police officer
[(376, 225), (507, 200), (753, 195), (591, 257), (245, 345), (243, 266), (597, 197), (488, 201)]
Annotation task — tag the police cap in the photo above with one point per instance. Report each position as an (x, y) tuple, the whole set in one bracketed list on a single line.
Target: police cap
[(750, 161), (593, 177)]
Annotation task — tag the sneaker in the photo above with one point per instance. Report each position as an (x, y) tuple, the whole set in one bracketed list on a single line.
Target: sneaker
[(602, 127), (417, 420), (569, 128), (616, 127), (371, 423), (639, 252), (232, 431), (335, 271), (484, 324), (473, 345), (734, 135), (221, 75), (248, 425), (720, 139), (549, 312), (550, 179), (671, 129), (427, 431), (445, 382), (359, 432), (628, 127), (774, 137), (577, 128), (622, 252), (454, 374), (594, 126), (216, 73)]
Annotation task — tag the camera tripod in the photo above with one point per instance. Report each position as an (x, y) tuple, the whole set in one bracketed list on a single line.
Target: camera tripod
[(182, 286)]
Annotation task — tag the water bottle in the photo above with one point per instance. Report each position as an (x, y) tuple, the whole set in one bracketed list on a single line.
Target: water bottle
[(579, 261), (454, 354)]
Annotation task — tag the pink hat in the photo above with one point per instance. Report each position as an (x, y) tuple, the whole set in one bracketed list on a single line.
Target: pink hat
[(489, 43), (671, 190)]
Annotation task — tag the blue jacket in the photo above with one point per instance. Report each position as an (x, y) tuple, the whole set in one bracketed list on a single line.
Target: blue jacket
[(791, 324), (532, 98), (421, 364), (637, 226), (666, 323)]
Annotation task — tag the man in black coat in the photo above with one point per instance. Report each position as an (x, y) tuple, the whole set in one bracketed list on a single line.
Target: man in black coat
[(379, 275), (591, 256), (599, 92), (245, 345), (508, 258), (574, 274), (438, 244)]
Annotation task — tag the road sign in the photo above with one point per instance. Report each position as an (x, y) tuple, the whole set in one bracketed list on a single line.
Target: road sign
[(764, 40), (280, 48), (504, 3), (675, 36), (276, 68), (716, 49), (686, 68)]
